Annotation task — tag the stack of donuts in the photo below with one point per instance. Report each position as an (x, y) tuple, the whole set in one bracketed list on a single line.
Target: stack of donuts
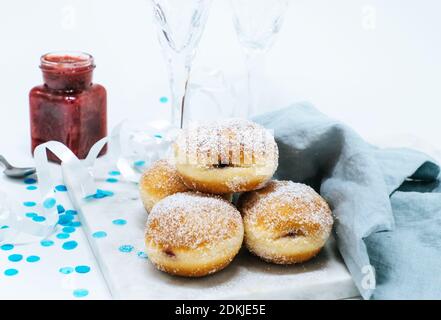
[(194, 229)]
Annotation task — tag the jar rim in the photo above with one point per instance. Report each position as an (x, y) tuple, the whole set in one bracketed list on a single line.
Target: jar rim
[(67, 60)]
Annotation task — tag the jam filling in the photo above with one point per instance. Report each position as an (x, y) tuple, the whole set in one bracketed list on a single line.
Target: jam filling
[(222, 165), (294, 234), (169, 253)]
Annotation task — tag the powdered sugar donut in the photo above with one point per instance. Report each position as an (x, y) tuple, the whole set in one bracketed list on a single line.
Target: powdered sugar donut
[(158, 182), (193, 234), (229, 156), (285, 222)]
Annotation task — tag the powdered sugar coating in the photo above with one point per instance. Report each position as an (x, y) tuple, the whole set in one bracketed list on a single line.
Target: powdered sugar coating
[(285, 206), (231, 142), (192, 220), (162, 179)]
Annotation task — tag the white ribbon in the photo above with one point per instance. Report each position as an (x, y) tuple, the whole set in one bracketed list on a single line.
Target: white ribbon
[(124, 150), (129, 146), (47, 207)]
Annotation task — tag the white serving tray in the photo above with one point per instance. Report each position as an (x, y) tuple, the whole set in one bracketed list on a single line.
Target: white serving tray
[(132, 277)]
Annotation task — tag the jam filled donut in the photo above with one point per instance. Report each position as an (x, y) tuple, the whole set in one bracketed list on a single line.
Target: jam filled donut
[(285, 222), (234, 155), (158, 182), (193, 234)]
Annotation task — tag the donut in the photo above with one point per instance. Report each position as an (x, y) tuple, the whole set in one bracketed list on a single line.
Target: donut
[(285, 222), (193, 234), (234, 155), (159, 181)]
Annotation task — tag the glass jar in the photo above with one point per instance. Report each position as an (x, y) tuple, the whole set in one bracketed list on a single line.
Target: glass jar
[(68, 107)]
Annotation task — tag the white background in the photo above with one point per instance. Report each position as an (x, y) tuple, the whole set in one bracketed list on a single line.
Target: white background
[(374, 64), (381, 77)]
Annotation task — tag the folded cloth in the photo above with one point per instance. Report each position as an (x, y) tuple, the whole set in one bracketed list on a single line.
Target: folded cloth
[(386, 202)]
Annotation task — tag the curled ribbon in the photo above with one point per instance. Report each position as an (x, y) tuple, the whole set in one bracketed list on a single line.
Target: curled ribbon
[(133, 150), (125, 151), (14, 224)]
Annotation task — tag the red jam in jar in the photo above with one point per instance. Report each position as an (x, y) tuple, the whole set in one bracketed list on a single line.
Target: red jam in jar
[(68, 107)]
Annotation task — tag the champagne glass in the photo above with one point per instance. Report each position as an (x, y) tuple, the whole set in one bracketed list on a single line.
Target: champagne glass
[(257, 22), (180, 27), (209, 96)]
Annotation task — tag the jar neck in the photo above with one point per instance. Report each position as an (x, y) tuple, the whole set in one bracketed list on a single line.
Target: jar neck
[(67, 71)]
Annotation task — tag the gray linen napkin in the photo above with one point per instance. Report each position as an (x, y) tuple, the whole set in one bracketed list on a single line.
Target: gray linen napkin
[(386, 202)]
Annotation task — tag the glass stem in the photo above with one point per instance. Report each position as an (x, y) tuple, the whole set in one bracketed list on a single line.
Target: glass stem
[(179, 69), (256, 66)]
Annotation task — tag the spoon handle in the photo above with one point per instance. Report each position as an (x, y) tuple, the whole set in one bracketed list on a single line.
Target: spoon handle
[(5, 162)]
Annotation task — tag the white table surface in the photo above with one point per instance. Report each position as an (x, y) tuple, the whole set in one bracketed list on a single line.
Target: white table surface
[(375, 65)]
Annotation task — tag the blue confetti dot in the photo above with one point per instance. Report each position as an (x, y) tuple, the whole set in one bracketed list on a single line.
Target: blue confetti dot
[(15, 257), (163, 99), (70, 245), (61, 188), (66, 270), (11, 272), (7, 247), (101, 194), (32, 259), (39, 219), (97, 196), (112, 180), (126, 248), (114, 173), (71, 212), (4, 227), (158, 136), (63, 236), (68, 229), (30, 181), (31, 188), (49, 203), (29, 204), (46, 243), (74, 224), (65, 219), (99, 234), (60, 209), (142, 255), (80, 293), (82, 269), (139, 163), (31, 215), (119, 222)]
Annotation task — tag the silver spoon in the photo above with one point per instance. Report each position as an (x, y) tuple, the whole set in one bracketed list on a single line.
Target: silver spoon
[(13, 172)]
